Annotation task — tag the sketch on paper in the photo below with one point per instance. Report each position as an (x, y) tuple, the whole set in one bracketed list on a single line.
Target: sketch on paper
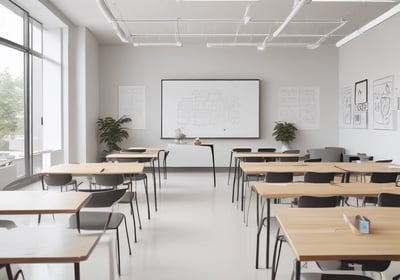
[(132, 103), (347, 106), (301, 106), (360, 115), (383, 95)]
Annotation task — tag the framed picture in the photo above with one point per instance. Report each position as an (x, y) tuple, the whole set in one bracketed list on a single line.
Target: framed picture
[(361, 92)]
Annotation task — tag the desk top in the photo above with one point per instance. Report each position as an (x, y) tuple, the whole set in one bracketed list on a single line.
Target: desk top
[(252, 168), (45, 245), (288, 190), (368, 167), (41, 202), (263, 155), (326, 236), (83, 169)]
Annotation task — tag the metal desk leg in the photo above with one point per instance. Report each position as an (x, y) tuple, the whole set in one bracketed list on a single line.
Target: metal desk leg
[(78, 222), (155, 185), (268, 231), (77, 271), (258, 209), (297, 270), (159, 172), (242, 202)]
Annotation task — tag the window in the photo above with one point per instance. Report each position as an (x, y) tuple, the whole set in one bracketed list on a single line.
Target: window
[(30, 90)]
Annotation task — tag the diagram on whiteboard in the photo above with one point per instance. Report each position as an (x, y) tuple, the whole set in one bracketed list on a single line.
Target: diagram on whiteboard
[(210, 108)]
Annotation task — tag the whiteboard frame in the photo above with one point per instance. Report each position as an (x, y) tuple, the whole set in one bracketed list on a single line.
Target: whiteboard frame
[(255, 136)]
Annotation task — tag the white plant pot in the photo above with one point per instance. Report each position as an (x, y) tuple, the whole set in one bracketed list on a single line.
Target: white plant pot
[(285, 146)]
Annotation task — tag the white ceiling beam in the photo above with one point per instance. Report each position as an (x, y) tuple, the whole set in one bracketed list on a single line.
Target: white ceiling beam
[(293, 13)]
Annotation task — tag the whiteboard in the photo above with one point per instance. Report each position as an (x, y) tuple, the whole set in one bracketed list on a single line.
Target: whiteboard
[(210, 108)]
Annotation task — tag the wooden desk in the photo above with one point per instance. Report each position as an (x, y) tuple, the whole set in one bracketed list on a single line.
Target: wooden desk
[(89, 169), (327, 237), (272, 190), (256, 168), (42, 202), (149, 155), (46, 245), (367, 167)]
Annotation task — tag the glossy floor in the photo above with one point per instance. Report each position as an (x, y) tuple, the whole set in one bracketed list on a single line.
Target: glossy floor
[(197, 233)]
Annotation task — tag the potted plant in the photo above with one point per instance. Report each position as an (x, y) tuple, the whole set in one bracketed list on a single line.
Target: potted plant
[(179, 136), (284, 132), (111, 132)]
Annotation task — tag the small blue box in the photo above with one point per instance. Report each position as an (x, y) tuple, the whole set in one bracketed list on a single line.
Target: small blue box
[(363, 224)]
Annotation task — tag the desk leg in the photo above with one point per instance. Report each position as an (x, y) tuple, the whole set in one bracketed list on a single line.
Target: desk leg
[(155, 185), (234, 180), (258, 209), (242, 202), (297, 270), (9, 272), (77, 271), (268, 231), (159, 172), (239, 174), (78, 222), (213, 163)]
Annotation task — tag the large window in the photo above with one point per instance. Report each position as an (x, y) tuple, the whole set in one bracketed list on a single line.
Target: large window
[(25, 116)]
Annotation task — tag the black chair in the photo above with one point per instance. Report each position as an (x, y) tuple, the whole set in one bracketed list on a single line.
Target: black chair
[(315, 177), (113, 181), (378, 177), (267, 150), (313, 160), (290, 159), (389, 200), (303, 202), (59, 180), (329, 276), (105, 220), (239, 150)]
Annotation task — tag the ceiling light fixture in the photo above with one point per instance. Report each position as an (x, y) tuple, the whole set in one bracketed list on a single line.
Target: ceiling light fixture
[(110, 18), (230, 44), (217, 0), (295, 10), (368, 26), (246, 16), (358, 1), (156, 44)]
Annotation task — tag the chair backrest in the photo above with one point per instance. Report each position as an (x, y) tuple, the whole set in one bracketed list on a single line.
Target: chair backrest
[(291, 152), (104, 198), (109, 180), (389, 200), (317, 202), (315, 177), (271, 177), (384, 160), (366, 265), (344, 277), (241, 150), (57, 179), (313, 160), (378, 177), (266, 150)]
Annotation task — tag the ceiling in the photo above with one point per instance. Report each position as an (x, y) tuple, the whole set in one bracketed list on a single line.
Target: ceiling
[(216, 22)]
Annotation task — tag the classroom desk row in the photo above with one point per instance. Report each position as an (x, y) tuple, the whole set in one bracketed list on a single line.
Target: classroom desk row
[(270, 191), (42, 245)]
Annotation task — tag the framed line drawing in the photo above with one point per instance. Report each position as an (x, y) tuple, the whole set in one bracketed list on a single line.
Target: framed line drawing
[(360, 117), (383, 96)]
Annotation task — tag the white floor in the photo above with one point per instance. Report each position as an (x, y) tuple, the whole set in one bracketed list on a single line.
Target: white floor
[(197, 233)]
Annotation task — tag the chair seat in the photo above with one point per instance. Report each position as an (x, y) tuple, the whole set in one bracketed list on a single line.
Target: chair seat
[(128, 197), (97, 220), (137, 177), (7, 224), (328, 276)]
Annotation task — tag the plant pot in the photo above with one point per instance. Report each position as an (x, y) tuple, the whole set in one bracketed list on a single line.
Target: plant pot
[(285, 146)]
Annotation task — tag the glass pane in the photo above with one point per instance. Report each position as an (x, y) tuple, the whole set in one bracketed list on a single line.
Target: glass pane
[(37, 112), (12, 107), (35, 35), (11, 23)]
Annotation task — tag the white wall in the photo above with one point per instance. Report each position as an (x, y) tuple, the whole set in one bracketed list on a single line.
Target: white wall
[(275, 67), (371, 56)]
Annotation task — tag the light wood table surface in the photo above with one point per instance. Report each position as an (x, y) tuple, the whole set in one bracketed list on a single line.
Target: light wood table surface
[(327, 237), (46, 245), (257, 168), (150, 155), (269, 191), (88, 169), (41, 202)]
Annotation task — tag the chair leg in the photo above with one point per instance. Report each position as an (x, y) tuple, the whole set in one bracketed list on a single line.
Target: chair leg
[(134, 221), (230, 167), (137, 210), (127, 237), (275, 258), (147, 198), (118, 254), (258, 239), (19, 272), (248, 209)]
